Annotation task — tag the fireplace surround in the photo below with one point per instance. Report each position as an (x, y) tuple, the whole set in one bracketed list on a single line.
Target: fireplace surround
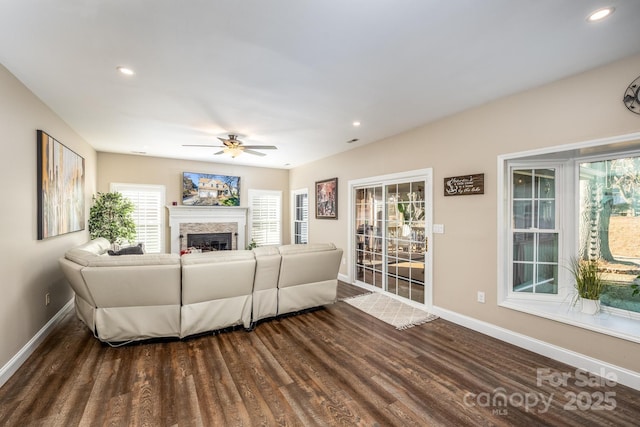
[(185, 220)]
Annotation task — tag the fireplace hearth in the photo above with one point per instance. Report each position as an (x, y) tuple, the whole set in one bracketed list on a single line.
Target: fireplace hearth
[(207, 242)]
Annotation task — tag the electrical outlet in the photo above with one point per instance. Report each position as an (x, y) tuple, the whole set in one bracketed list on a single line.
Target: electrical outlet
[(47, 299), (344, 261), (481, 297)]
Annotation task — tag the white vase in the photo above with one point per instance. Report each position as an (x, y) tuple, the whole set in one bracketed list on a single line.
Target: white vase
[(590, 306)]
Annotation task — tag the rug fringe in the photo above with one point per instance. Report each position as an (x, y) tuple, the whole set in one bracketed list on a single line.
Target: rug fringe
[(355, 296), (418, 322)]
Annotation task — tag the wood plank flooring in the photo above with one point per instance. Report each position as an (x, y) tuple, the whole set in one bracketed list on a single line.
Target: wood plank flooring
[(335, 366)]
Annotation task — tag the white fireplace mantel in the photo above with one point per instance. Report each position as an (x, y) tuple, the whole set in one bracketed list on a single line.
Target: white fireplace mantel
[(201, 214)]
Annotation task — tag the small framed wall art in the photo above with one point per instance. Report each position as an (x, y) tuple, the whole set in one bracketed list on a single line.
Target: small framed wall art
[(327, 199), (60, 188)]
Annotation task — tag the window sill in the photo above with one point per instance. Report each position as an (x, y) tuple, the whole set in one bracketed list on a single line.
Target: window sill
[(604, 322)]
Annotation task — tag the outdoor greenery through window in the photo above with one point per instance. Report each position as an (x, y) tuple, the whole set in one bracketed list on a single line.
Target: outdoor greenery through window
[(609, 225)]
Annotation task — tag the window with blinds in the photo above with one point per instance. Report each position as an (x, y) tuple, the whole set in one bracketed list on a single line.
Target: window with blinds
[(265, 217), (148, 213), (300, 230)]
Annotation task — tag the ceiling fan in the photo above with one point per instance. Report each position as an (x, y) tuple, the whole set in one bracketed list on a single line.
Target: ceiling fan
[(235, 147)]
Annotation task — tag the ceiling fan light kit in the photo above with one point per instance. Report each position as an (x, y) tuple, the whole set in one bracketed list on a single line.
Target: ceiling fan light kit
[(234, 147)]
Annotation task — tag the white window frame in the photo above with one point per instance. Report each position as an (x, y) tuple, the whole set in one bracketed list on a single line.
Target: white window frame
[(161, 190), (614, 322), (563, 287), (252, 194), (294, 216)]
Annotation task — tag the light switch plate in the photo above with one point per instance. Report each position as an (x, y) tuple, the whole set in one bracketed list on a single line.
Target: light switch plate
[(438, 228)]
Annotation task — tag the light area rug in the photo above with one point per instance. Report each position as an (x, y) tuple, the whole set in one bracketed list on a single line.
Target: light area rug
[(390, 310)]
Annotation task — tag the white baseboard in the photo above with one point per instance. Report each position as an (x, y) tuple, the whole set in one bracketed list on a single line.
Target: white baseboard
[(598, 367), (16, 361)]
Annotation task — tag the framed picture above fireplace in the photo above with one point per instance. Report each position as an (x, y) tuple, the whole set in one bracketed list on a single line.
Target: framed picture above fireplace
[(201, 189)]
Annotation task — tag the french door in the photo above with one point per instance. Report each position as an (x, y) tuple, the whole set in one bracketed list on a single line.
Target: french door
[(390, 236)]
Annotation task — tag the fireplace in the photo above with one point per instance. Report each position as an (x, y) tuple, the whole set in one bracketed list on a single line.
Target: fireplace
[(207, 242), (186, 220)]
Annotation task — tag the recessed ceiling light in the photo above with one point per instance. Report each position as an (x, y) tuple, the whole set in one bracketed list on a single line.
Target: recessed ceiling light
[(600, 14), (356, 123), (126, 71)]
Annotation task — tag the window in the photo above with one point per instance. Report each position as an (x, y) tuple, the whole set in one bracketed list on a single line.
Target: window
[(266, 217), (535, 237), (300, 215), (578, 201), (609, 217), (148, 213)]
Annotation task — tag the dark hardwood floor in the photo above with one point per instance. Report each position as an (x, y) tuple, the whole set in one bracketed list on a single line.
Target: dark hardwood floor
[(332, 366)]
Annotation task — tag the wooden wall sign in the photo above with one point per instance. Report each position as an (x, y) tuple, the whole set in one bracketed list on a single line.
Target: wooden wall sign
[(465, 185)]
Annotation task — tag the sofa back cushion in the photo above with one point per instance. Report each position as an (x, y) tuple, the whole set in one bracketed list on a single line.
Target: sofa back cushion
[(268, 260), (311, 263), (215, 275)]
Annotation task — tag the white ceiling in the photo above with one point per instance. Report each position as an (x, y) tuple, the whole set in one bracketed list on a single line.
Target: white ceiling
[(292, 73)]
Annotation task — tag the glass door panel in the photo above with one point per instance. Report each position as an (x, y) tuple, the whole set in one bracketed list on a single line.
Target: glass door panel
[(405, 240), (369, 219), (390, 238)]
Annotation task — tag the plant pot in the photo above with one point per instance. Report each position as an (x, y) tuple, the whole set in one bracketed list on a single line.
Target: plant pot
[(590, 306)]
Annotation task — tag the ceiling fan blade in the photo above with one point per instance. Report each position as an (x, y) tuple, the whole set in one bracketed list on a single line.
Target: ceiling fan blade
[(261, 147), (219, 152), (256, 153), (202, 145)]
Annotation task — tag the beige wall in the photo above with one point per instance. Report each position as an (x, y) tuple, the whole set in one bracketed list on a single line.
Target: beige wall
[(580, 108), (576, 109), (134, 169), (29, 266)]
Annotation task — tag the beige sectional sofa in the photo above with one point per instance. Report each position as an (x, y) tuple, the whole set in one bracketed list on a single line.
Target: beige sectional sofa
[(135, 297)]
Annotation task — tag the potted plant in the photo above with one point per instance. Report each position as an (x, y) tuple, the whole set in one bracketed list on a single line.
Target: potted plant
[(110, 217), (589, 284)]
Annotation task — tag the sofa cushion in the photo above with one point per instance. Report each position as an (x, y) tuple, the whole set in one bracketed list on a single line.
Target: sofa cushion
[(305, 248), (129, 250), (216, 256), (133, 260)]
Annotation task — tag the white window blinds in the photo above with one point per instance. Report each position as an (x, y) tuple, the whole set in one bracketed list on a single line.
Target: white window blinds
[(148, 214), (266, 216), (300, 216)]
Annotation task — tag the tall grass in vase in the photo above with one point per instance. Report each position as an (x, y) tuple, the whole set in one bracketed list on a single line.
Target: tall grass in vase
[(588, 282)]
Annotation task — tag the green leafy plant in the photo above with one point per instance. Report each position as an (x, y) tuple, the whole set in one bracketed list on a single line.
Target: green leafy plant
[(252, 244), (111, 217), (588, 278), (636, 288)]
